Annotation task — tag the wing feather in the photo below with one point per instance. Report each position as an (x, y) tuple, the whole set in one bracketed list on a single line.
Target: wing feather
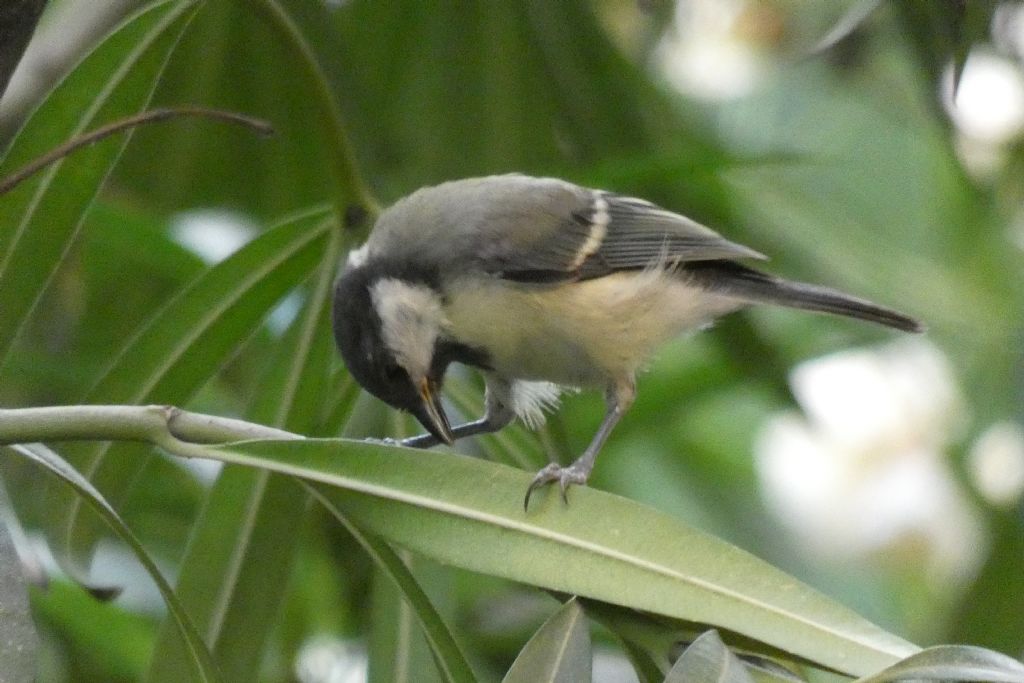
[(611, 233)]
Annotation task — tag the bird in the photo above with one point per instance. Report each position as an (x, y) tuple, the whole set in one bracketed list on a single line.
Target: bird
[(542, 286)]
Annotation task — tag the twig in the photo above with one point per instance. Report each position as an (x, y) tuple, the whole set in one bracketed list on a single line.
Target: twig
[(152, 116)]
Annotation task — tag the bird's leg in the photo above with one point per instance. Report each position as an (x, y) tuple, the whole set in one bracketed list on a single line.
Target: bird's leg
[(497, 415), (487, 424), (618, 399)]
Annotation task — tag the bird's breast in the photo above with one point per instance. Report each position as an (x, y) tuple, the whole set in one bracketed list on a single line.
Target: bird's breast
[(581, 334)]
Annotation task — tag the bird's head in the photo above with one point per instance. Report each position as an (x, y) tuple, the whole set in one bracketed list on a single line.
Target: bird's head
[(387, 324)]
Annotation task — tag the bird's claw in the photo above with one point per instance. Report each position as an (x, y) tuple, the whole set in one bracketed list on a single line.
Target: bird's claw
[(565, 476)]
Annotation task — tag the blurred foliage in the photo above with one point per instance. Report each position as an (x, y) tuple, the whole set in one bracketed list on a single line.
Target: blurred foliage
[(842, 164)]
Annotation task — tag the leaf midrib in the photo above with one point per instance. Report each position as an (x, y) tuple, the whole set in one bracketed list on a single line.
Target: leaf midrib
[(561, 538)]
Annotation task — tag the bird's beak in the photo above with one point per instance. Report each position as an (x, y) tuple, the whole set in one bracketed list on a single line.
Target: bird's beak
[(431, 413)]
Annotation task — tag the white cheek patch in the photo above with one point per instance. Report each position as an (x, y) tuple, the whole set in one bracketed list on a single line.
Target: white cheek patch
[(411, 319)]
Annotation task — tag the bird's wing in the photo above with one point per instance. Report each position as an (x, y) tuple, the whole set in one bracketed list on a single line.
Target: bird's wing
[(605, 233), (540, 230)]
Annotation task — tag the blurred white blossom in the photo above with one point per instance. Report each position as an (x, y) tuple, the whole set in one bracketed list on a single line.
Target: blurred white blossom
[(989, 102), (711, 50), (863, 472), (988, 109), (325, 659), (996, 464), (212, 234)]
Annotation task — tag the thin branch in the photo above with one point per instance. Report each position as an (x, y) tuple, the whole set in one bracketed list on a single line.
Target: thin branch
[(201, 428), (152, 116), (152, 424)]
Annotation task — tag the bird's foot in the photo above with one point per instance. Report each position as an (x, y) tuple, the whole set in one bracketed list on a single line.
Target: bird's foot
[(565, 476), (386, 441), (422, 441)]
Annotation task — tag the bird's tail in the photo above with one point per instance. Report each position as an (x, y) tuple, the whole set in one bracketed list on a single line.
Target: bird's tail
[(733, 279)]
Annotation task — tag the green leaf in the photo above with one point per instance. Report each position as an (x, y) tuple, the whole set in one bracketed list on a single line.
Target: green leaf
[(339, 400), (584, 71), (91, 308), (486, 87), (189, 338), (992, 609), (852, 19), (708, 660), (199, 660), (264, 66), (104, 641), (941, 33), (396, 645), (651, 643), (559, 652), (451, 662), (648, 641), (185, 344), (40, 218), (953, 663), (644, 664), (234, 575), (18, 640), (468, 513)]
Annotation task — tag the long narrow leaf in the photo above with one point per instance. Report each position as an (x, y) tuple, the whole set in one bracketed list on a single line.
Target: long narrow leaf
[(656, 637), (559, 652), (953, 663), (40, 219), (186, 343), (234, 575), (708, 660), (397, 650), (199, 660), (468, 513), (644, 665), (449, 657)]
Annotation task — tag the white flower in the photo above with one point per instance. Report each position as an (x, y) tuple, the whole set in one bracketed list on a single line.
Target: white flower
[(864, 472), (997, 464), (707, 53)]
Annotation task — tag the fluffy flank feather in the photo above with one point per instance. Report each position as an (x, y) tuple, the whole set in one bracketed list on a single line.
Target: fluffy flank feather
[(530, 400)]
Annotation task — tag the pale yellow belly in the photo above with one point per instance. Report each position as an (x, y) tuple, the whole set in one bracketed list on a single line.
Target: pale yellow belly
[(580, 334)]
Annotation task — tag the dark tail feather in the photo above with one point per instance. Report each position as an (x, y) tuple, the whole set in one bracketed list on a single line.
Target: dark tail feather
[(733, 279)]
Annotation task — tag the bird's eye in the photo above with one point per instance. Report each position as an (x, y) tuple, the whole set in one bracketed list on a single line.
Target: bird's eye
[(394, 372)]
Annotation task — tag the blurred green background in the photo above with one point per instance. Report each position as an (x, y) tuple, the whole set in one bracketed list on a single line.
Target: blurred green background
[(886, 472)]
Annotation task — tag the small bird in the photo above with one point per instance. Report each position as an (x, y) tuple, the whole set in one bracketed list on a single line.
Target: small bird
[(541, 285)]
